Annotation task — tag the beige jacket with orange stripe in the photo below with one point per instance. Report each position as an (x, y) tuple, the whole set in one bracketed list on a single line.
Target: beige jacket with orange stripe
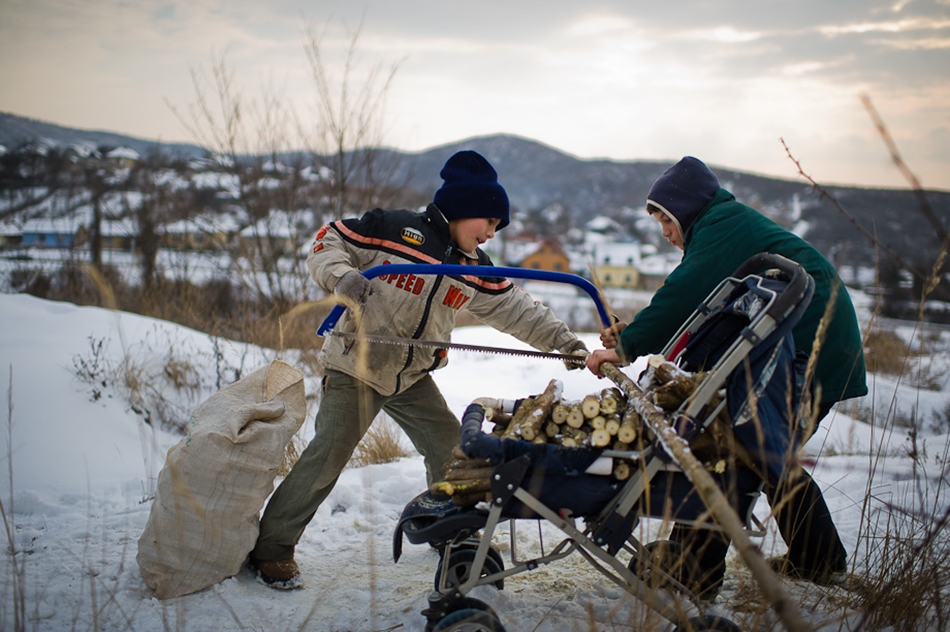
[(422, 307)]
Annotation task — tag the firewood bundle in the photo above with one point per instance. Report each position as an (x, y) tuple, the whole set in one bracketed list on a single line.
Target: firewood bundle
[(466, 480), (599, 420)]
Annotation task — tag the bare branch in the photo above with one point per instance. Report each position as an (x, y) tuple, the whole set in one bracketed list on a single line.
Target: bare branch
[(925, 207), (872, 238)]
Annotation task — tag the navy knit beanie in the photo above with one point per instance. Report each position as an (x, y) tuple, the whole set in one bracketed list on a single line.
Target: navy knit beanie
[(684, 190), (471, 189)]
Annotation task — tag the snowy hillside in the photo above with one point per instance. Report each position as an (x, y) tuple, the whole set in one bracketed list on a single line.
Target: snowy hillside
[(83, 464)]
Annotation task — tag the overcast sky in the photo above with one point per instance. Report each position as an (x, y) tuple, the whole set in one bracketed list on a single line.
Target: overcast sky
[(723, 80)]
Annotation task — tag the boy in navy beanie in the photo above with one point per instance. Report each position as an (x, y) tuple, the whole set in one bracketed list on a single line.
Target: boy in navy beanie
[(471, 189), (363, 378)]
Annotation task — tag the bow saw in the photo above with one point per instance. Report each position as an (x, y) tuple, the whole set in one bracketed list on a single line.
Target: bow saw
[(326, 328)]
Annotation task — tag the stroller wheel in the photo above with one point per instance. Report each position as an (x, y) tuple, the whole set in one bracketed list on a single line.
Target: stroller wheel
[(460, 567), (670, 557), (708, 623), (469, 620)]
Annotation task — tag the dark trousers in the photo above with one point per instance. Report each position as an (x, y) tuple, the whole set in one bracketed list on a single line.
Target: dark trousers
[(804, 521), (347, 408)]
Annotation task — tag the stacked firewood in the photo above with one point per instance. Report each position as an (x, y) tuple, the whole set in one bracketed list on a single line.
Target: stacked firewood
[(466, 480), (599, 420)]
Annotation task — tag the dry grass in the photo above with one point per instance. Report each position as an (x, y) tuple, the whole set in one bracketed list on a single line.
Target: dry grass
[(218, 307), (17, 567), (292, 452), (885, 352), (905, 541), (382, 443), (900, 580)]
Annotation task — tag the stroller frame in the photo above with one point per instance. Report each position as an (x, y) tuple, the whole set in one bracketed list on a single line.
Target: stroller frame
[(469, 560)]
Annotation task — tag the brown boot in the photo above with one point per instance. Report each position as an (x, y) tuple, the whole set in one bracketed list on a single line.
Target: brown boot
[(279, 574)]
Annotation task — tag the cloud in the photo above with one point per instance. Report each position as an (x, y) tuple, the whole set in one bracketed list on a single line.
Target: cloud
[(603, 78)]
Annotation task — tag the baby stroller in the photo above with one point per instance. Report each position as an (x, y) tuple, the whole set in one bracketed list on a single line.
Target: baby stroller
[(739, 341)]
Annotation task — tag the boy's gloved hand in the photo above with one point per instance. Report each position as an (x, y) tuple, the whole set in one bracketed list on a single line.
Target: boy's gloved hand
[(354, 286), (577, 348)]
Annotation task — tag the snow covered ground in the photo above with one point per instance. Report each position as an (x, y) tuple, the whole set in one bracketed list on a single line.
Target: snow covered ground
[(79, 467)]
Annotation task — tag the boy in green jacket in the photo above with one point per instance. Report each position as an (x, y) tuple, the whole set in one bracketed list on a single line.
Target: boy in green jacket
[(717, 234)]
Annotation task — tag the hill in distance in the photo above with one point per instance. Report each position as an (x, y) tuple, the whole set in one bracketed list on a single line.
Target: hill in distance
[(536, 176)]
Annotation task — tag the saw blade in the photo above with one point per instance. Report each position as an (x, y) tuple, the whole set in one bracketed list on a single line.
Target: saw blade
[(413, 342)]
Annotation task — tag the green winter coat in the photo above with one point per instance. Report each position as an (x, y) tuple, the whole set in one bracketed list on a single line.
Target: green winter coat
[(724, 235)]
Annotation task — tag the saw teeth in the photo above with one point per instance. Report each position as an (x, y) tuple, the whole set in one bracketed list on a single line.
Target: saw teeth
[(461, 347)]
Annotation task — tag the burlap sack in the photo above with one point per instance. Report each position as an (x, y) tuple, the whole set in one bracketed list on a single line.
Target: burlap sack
[(204, 520)]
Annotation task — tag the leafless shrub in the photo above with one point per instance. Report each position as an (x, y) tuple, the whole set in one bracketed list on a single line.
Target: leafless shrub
[(91, 369), (161, 392), (901, 580), (181, 372)]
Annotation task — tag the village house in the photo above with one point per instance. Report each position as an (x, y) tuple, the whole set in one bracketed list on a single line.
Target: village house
[(548, 256), (57, 232), (11, 235), (200, 233), (655, 269), (616, 264), (123, 157), (281, 232), (116, 234)]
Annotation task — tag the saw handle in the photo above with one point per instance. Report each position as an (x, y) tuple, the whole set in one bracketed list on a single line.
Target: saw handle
[(473, 271)]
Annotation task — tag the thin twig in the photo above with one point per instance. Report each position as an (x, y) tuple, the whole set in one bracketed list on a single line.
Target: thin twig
[(925, 207), (19, 595), (872, 238)]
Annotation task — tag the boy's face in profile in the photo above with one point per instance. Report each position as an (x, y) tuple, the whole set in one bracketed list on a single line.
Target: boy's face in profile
[(670, 230), (471, 232)]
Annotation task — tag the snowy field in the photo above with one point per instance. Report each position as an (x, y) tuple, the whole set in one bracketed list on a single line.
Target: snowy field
[(79, 467)]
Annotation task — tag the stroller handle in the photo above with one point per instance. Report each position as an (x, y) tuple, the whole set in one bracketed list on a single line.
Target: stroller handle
[(800, 283), (474, 271), (474, 442)]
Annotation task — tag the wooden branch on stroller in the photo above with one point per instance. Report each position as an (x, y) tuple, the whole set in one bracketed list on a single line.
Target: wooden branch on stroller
[(713, 497)]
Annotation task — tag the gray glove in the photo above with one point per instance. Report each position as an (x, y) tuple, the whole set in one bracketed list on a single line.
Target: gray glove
[(354, 286), (577, 348)]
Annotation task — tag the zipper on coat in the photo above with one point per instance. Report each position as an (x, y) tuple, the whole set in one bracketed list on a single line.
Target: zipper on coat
[(425, 317), (420, 328)]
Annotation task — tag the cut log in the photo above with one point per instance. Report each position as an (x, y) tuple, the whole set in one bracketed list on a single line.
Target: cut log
[(527, 422), (590, 406), (611, 401), (575, 417), (627, 433), (600, 438)]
